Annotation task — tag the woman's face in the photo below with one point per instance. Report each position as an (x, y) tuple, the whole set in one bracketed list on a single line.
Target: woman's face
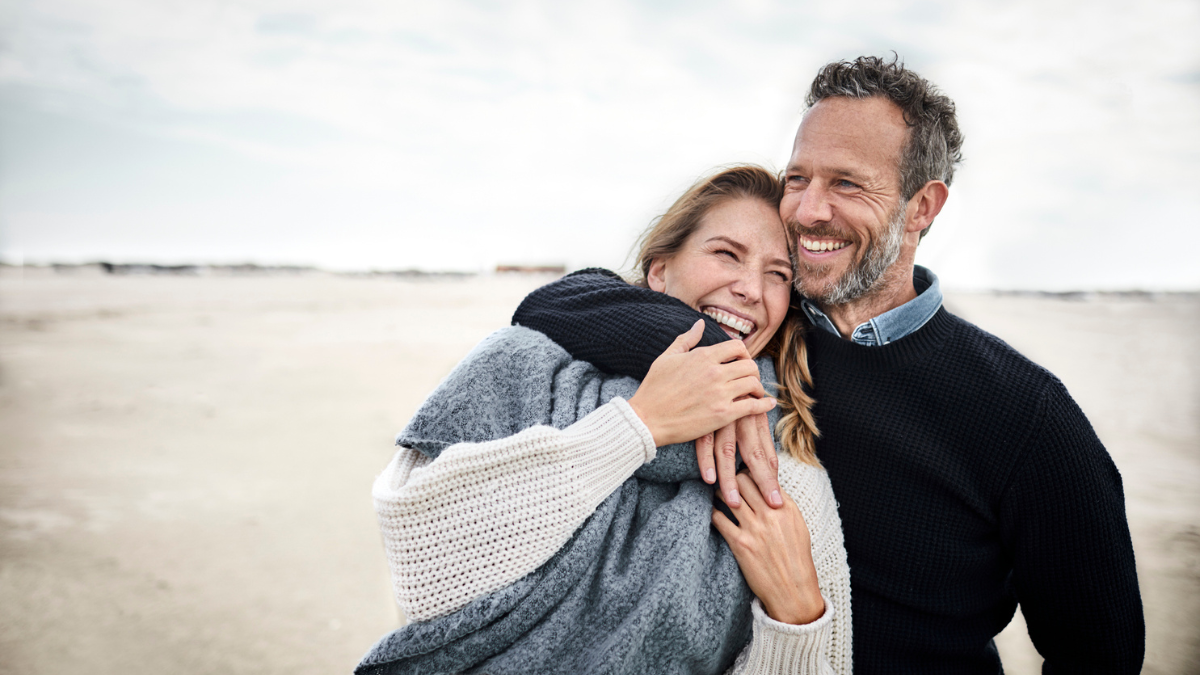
[(733, 268)]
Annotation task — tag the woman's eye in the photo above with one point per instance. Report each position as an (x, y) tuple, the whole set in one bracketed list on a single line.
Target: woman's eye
[(726, 252), (785, 278)]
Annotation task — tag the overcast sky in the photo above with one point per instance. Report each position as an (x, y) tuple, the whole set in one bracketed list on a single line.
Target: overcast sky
[(459, 135)]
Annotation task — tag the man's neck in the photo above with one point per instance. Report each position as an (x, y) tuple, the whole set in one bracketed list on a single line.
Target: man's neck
[(895, 288)]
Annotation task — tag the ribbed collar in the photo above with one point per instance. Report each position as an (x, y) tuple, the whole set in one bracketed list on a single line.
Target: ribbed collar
[(927, 340), (894, 323)]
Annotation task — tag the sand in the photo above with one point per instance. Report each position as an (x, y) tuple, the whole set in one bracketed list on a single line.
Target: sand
[(185, 462)]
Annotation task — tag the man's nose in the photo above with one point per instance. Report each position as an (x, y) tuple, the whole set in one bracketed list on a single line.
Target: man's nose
[(814, 206)]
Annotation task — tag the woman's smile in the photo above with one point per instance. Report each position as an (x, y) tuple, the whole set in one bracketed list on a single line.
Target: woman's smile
[(738, 326)]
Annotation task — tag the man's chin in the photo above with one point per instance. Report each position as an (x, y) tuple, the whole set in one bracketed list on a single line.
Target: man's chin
[(817, 284)]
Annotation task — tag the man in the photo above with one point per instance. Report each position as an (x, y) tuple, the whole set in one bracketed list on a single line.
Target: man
[(967, 478)]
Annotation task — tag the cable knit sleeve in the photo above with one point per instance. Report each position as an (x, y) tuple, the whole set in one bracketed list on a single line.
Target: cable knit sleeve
[(519, 499), (823, 646)]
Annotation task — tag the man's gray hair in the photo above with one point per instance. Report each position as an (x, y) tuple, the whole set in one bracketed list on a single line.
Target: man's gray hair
[(934, 144)]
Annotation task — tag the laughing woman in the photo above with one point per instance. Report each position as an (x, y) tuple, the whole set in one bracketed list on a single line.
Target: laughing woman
[(541, 516)]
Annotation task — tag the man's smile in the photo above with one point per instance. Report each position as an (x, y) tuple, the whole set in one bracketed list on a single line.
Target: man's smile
[(821, 248)]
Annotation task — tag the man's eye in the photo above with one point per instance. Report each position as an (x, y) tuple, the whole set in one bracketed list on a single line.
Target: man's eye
[(797, 180), (847, 184)]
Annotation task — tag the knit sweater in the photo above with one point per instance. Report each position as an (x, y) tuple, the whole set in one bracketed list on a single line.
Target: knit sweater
[(967, 480), (481, 516)]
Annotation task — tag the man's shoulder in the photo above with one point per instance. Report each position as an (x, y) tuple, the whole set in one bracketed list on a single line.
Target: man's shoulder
[(992, 358)]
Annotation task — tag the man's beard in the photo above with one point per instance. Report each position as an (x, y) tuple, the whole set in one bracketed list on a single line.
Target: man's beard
[(862, 277)]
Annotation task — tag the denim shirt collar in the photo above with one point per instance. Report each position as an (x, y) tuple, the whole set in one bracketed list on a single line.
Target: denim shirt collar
[(894, 323)]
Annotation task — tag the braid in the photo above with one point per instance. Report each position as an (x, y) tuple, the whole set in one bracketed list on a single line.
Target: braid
[(797, 428)]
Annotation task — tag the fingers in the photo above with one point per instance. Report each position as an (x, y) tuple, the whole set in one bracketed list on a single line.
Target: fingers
[(751, 494), (684, 343), (752, 406), (758, 453), (736, 370), (726, 457), (704, 457), (724, 352), (746, 386), (764, 430)]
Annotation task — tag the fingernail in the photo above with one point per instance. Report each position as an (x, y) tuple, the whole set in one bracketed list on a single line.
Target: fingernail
[(734, 498), (776, 500), (710, 475)]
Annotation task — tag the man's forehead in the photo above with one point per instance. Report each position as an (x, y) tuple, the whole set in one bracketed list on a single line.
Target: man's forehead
[(848, 135)]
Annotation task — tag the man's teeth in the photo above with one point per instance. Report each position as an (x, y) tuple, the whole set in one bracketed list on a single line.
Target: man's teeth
[(741, 326), (819, 246)]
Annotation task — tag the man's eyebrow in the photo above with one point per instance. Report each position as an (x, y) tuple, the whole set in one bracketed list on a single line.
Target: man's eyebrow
[(846, 173), (837, 173), (736, 244)]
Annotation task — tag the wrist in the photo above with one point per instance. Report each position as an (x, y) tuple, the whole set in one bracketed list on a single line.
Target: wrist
[(797, 610), (638, 409)]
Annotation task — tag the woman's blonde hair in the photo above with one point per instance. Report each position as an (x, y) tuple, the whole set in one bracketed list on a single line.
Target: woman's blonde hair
[(796, 429)]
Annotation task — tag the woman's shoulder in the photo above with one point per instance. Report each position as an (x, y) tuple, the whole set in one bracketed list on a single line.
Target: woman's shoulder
[(516, 342)]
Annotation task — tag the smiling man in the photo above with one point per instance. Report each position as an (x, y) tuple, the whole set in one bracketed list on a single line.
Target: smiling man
[(968, 480), (856, 235)]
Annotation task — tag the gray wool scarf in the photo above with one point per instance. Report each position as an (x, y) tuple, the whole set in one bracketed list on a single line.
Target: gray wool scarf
[(645, 585)]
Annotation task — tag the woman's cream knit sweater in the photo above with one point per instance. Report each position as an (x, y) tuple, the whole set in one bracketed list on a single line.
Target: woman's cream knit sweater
[(483, 515)]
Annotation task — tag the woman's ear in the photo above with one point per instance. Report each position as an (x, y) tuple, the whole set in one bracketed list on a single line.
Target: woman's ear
[(656, 275)]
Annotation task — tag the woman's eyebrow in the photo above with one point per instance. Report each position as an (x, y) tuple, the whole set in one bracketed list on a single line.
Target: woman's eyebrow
[(735, 244)]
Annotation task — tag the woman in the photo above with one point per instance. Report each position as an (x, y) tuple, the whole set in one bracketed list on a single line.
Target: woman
[(532, 525)]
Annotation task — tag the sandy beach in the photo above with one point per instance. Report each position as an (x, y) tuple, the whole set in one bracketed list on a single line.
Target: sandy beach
[(186, 461)]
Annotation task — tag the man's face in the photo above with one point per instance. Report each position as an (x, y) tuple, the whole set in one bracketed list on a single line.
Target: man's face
[(842, 197)]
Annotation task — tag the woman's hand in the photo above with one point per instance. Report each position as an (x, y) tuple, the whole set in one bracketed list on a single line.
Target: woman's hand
[(691, 392), (774, 551), (752, 437)]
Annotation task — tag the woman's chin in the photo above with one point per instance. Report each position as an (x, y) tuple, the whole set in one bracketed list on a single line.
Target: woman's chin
[(754, 344)]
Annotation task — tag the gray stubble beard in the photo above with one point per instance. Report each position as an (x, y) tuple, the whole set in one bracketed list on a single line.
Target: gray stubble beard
[(862, 278)]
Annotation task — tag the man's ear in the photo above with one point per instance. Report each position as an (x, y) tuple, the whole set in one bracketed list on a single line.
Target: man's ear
[(656, 275), (926, 205)]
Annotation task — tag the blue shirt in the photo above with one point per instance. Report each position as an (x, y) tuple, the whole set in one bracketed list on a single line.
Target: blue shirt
[(894, 323)]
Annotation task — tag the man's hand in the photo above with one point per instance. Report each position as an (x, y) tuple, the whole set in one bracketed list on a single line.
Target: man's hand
[(691, 392), (752, 437)]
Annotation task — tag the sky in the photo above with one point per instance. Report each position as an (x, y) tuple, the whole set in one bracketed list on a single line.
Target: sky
[(462, 134)]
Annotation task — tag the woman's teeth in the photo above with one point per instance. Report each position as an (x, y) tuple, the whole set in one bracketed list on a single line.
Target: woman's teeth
[(742, 326), (820, 246)]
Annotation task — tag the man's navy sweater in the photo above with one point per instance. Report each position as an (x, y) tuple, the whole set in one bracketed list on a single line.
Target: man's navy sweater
[(967, 480)]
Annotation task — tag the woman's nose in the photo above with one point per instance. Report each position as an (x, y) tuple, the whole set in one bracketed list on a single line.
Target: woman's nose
[(749, 287)]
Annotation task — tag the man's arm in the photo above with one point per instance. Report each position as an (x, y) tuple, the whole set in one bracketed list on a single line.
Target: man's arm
[(1063, 520), (600, 318)]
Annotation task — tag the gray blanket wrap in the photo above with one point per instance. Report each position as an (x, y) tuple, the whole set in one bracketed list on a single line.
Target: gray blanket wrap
[(645, 585)]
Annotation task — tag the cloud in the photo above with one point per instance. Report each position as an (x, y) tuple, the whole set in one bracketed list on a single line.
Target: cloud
[(462, 133)]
